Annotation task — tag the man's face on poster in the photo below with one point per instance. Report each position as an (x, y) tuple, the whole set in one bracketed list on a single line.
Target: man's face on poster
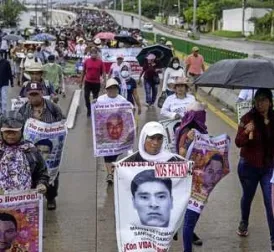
[(44, 150), (8, 234), (153, 202), (213, 173), (115, 127)]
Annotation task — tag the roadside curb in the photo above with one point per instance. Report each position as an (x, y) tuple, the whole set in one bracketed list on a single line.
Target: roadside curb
[(73, 109)]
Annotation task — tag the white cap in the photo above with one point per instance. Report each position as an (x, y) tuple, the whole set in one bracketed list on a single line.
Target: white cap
[(111, 82), (154, 128), (97, 41)]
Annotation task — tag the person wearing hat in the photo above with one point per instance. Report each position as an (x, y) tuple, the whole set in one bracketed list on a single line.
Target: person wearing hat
[(169, 44), (80, 48), (54, 74), (28, 162), (255, 138), (115, 67), (112, 96), (35, 71), (162, 41), (175, 105), (195, 64), (46, 111), (97, 42), (93, 70)]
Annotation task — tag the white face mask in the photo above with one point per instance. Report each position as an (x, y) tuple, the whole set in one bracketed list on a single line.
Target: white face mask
[(124, 74), (30, 55), (175, 65), (51, 64)]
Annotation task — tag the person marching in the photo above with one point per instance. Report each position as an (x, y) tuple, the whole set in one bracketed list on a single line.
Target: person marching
[(46, 111)]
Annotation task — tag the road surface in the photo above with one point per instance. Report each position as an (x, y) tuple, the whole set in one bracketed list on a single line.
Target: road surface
[(249, 47), (84, 219)]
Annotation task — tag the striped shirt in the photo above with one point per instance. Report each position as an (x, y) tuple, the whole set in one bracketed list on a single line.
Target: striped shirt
[(51, 112)]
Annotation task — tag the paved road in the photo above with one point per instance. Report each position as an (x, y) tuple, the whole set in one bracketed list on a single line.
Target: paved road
[(84, 219), (251, 48)]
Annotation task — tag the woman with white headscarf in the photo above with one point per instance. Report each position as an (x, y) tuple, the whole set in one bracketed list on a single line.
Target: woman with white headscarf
[(151, 146)]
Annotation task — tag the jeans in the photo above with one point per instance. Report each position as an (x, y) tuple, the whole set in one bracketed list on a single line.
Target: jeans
[(3, 99), (151, 92), (52, 191), (95, 89), (190, 221), (250, 177)]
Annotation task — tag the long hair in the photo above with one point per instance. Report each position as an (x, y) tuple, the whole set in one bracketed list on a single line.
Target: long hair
[(172, 60)]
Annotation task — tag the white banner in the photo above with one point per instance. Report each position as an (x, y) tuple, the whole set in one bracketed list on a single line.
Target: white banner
[(150, 203), (170, 126), (211, 164), (243, 108), (114, 128), (50, 139), (17, 103), (129, 54), (21, 215)]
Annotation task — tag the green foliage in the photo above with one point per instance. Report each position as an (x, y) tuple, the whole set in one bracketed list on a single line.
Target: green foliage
[(228, 34), (10, 12), (263, 24)]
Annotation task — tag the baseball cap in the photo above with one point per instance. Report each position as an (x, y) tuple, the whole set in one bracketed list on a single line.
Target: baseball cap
[(195, 49), (154, 128), (34, 86), (51, 57), (111, 82)]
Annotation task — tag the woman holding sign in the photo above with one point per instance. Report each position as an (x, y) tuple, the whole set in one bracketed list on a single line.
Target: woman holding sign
[(255, 137), (22, 166)]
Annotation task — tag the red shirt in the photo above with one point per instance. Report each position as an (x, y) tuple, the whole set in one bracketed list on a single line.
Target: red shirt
[(254, 151), (93, 69)]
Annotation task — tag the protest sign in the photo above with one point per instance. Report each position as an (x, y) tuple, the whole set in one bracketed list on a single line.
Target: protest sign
[(113, 128), (211, 164), (170, 126), (17, 103), (49, 138), (21, 217), (243, 108), (156, 196), (109, 56)]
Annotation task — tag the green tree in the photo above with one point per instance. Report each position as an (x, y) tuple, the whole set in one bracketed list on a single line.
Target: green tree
[(10, 12)]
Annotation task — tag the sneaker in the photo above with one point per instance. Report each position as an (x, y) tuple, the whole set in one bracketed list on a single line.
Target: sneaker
[(196, 240), (109, 179), (242, 229), (272, 247)]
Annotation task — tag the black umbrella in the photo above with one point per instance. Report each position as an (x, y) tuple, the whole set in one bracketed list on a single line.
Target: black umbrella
[(163, 54), (239, 74), (126, 39)]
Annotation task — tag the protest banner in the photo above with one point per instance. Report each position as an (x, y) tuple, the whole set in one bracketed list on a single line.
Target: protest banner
[(21, 218), (17, 103), (49, 138), (243, 108), (211, 164), (156, 196), (109, 56), (170, 126), (113, 128)]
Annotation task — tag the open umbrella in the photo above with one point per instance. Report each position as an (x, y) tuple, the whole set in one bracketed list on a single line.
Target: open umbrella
[(43, 37), (239, 74), (105, 35), (13, 37), (163, 54), (126, 39)]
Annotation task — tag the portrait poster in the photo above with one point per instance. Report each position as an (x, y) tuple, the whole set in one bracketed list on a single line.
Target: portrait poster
[(150, 203), (50, 139), (170, 126), (129, 54), (17, 103), (113, 127), (243, 108), (21, 218), (211, 164)]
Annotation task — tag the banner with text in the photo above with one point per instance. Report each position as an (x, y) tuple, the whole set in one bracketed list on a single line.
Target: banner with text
[(170, 126), (243, 108), (17, 103), (114, 128), (50, 139), (156, 196), (21, 215), (211, 164)]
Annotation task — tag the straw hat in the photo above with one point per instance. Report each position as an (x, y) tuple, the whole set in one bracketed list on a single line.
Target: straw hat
[(182, 80), (34, 67)]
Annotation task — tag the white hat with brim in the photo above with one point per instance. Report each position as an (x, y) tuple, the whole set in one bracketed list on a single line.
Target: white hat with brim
[(34, 67), (4, 129), (156, 129), (182, 81), (111, 82)]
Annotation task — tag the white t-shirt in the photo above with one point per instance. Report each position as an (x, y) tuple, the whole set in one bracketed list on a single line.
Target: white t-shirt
[(174, 105), (170, 75), (115, 70), (105, 99), (80, 49)]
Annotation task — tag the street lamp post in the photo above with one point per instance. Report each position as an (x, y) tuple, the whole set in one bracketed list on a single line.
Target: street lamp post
[(243, 17), (194, 16), (122, 8), (140, 13)]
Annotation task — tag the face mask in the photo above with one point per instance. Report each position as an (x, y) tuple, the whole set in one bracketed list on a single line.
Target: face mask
[(51, 64), (93, 55), (175, 65), (124, 74), (30, 55)]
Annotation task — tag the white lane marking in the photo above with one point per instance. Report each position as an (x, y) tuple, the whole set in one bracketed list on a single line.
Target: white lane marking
[(73, 108)]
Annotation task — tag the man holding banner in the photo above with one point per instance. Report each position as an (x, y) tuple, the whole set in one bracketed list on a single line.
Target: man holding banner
[(44, 120)]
